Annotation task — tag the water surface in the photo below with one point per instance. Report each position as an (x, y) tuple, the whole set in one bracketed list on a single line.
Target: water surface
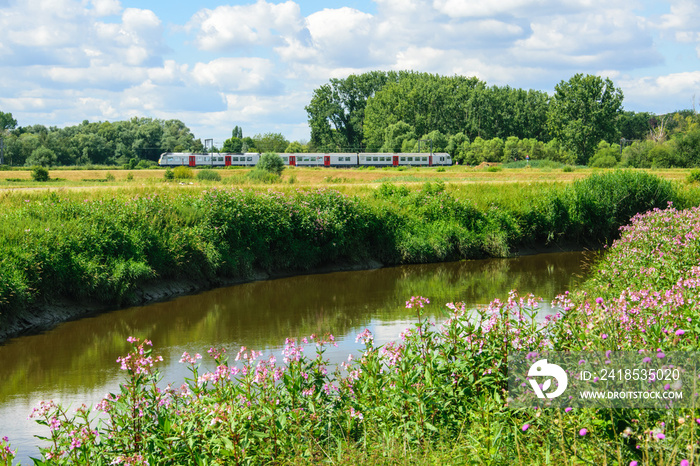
[(76, 361)]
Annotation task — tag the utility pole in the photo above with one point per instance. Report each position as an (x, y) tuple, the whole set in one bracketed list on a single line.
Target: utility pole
[(2, 151)]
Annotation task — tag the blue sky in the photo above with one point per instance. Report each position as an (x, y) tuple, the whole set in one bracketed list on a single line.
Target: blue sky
[(254, 64)]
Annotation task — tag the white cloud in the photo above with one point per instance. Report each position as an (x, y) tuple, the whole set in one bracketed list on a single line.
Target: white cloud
[(258, 63), (662, 94), (236, 74), (108, 76), (106, 7), (259, 24)]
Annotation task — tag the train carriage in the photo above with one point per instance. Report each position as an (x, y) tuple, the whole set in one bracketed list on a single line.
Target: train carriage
[(345, 159), (175, 159)]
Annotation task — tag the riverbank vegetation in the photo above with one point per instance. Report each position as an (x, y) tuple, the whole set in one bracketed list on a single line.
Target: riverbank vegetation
[(101, 247), (438, 394)]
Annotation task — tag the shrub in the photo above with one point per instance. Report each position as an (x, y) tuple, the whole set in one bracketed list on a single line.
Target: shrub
[(109, 176), (693, 176), (40, 173), (208, 175), (604, 161), (271, 163), (129, 176), (567, 169), (168, 175), (146, 164), (42, 156), (600, 204), (262, 176), (183, 173)]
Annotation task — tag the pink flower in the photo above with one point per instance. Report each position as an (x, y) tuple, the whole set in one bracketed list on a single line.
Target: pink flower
[(685, 463), (680, 332), (583, 432), (566, 410), (526, 427)]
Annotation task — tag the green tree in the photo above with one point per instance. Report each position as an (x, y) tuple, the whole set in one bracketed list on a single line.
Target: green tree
[(233, 144), (687, 146), (395, 135), (237, 132), (42, 156), (270, 142), (606, 155), (337, 109), (634, 126), (583, 112), (637, 154), (7, 122), (295, 147), (270, 162)]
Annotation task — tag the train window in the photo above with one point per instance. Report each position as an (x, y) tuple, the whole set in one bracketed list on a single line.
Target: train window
[(403, 159), (410, 159), (425, 159), (374, 159), (235, 159), (250, 159)]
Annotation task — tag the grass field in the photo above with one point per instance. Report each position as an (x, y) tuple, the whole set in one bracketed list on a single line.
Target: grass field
[(339, 178)]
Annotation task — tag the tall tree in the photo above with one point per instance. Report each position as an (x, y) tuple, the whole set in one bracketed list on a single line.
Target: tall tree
[(337, 110), (270, 142), (583, 112), (7, 122)]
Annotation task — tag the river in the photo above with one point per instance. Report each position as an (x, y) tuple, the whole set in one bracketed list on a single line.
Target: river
[(75, 362)]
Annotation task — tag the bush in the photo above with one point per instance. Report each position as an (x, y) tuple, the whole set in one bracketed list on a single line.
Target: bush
[(271, 163), (183, 173), (208, 175), (604, 161), (42, 156), (40, 173), (168, 175), (600, 204), (262, 176), (693, 176), (109, 176), (129, 176)]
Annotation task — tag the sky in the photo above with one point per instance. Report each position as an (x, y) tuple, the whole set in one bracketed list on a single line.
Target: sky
[(254, 64)]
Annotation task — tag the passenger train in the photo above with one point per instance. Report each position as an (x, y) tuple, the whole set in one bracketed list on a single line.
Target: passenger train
[(349, 159)]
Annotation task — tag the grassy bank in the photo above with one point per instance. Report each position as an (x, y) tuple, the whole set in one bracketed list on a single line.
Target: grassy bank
[(438, 395), (644, 296), (104, 246)]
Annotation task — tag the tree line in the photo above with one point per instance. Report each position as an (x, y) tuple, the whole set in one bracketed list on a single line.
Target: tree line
[(581, 122), (101, 143), (134, 142)]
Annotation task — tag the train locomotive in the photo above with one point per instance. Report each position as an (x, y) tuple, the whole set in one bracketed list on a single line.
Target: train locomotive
[(338, 160)]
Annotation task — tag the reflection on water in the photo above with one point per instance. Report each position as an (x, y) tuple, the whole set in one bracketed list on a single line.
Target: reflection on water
[(76, 361)]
